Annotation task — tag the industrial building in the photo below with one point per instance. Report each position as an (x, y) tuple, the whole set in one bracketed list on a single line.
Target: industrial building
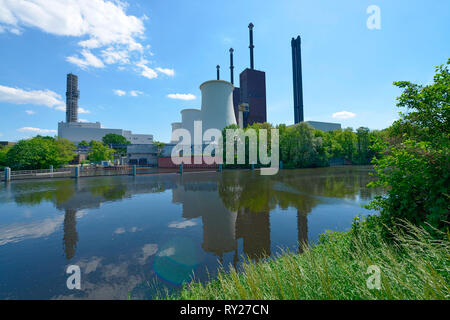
[(252, 90), (222, 101), (87, 131), (324, 126), (216, 110), (76, 131)]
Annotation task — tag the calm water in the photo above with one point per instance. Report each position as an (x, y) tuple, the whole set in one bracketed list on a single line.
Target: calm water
[(134, 236)]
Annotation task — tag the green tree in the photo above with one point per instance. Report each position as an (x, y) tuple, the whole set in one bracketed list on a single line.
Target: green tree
[(114, 139), (159, 147), (40, 153), (84, 144), (3, 151), (362, 145), (99, 151), (414, 162), (300, 148)]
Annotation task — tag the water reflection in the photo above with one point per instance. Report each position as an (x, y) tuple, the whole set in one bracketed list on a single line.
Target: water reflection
[(234, 207)]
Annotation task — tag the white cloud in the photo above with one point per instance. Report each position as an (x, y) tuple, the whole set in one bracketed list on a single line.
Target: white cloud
[(30, 112), (111, 55), (119, 92), (103, 22), (181, 96), (82, 110), (38, 97), (167, 252), (36, 130), (83, 120), (108, 35), (182, 224), (145, 70), (169, 72), (148, 250), (21, 231), (119, 231), (135, 93), (88, 60), (343, 115)]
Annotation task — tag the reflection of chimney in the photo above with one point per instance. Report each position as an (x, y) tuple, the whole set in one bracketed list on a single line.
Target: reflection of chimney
[(218, 72), (231, 66), (70, 238), (250, 27), (302, 231)]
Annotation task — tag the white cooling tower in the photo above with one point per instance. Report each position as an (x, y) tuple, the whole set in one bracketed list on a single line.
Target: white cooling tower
[(217, 104), (175, 126), (188, 116)]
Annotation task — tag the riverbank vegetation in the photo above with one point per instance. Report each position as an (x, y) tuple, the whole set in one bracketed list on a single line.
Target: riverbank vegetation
[(407, 244), (342, 266)]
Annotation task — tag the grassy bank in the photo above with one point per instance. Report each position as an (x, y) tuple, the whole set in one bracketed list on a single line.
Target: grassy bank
[(413, 266)]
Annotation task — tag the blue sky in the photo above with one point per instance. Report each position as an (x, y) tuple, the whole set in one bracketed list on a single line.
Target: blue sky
[(131, 55)]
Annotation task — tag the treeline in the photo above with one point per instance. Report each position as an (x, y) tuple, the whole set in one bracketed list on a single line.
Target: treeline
[(302, 146), (42, 152)]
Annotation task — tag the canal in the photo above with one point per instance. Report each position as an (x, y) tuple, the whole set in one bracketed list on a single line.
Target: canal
[(134, 237)]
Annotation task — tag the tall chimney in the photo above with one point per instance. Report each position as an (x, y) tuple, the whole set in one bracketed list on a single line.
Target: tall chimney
[(218, 72), (72, 96), (231, 66), (297, 77), (250, 27)]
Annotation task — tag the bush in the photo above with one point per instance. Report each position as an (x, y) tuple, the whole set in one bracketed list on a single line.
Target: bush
[(414, 162)]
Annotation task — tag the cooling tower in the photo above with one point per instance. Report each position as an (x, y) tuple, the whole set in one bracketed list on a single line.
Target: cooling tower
[(217, 104), (188, 116), (175, 126)]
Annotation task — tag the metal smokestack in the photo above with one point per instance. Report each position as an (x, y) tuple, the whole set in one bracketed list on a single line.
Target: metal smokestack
[(218, 72), (251, 46), (231, 66)]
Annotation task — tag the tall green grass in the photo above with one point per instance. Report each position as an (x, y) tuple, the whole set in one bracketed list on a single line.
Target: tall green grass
[(413, 265)]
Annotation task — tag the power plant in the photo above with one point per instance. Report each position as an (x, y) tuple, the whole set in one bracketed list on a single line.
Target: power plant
[(222, 102)]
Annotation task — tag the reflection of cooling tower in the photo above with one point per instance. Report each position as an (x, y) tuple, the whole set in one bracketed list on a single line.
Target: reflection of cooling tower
[(188, 116), (175, 126), (219, 231), (217, 104)]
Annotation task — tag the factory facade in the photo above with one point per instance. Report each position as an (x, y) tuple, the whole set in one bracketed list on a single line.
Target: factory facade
[(76, 131)]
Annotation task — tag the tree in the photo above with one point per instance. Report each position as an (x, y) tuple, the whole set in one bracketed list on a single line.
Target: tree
[(413, 164), (299, 147), (83, 144), (114, 139), (99, 152), (3, 151), (362, 145), (159, 147), (40, 153), (65, 150)]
